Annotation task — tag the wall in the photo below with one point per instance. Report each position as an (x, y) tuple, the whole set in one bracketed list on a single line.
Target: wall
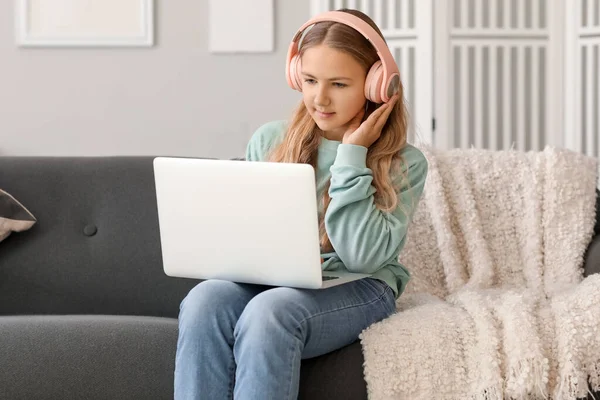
[(172, 99)]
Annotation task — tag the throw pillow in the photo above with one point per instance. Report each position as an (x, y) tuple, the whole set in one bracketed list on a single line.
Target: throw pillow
[(14, 217)]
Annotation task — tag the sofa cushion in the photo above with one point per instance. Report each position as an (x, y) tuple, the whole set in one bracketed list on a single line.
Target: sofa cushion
[(87, 357), (14, 217), (335, 375), (125, 357)]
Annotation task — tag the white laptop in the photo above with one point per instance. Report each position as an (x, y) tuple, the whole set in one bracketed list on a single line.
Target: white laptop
[(250, 222)]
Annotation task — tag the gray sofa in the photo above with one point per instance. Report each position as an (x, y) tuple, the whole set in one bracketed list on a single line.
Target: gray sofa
[(86, 311)]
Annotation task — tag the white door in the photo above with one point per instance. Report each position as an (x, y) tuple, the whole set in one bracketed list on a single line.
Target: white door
[(582, 90), (495, 86), (407, 28)]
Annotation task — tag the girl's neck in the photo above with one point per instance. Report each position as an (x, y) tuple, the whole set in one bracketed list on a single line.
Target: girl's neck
[(333, 136)]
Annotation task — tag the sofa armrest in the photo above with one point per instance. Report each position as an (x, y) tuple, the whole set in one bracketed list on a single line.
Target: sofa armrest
[(87, 357), (592, 257)]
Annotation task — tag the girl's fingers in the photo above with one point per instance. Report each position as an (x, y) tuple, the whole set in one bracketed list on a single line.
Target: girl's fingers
[(375, 115), (386, 113)]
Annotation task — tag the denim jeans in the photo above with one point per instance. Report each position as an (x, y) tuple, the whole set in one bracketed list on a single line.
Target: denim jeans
[(247, 341)]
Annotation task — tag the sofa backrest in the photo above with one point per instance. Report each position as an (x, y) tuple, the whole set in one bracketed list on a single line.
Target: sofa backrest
[(95, 248)]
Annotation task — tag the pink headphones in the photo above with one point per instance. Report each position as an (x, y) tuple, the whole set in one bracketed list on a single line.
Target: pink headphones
[(383, 79)]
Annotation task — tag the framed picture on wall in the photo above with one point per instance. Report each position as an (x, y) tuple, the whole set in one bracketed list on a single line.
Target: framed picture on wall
[(89, 23), (241, 26)]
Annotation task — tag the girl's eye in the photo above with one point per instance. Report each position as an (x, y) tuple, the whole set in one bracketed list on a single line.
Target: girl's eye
[(309, 81), (340, 85)]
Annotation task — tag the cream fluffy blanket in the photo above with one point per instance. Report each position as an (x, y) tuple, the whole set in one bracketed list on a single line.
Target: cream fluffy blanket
[(497, 307)]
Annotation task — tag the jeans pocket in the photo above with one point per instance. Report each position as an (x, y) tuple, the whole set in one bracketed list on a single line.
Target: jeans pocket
[(384, 293), (377, 286)]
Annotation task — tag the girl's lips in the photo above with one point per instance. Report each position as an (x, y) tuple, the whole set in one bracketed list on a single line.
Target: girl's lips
[(323, 115)]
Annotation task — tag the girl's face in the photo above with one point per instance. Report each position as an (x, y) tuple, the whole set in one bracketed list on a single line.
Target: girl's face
[(332, 88)]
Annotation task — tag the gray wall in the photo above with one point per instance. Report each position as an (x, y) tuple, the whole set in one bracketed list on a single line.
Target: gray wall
[(172, 99)]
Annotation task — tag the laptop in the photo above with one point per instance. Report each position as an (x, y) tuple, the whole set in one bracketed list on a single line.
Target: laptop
[(248, 222)]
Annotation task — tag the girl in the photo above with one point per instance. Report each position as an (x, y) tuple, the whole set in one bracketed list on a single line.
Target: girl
[(247, 341)]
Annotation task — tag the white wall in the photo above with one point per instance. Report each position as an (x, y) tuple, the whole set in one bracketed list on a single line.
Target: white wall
[(173, 99)]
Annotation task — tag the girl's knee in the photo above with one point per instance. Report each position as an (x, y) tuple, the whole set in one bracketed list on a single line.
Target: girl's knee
[(207, 294), (274, 307)]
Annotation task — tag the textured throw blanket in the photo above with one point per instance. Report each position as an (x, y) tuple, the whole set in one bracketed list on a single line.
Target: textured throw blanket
[(497, 307)]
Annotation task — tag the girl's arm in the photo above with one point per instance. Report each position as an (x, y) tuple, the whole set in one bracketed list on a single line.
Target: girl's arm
[(364, 237), (266, 136)]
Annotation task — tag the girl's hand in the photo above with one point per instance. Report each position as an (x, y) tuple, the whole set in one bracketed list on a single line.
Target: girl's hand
[(368, 132)]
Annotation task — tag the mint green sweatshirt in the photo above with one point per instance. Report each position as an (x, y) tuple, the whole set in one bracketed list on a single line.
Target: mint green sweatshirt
[(365, 239)]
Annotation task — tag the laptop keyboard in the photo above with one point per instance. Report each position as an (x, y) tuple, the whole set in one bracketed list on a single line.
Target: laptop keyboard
[(328, 278)]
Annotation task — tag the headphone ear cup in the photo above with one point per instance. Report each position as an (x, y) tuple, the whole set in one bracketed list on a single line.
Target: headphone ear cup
[(373, 83), (295, 71)]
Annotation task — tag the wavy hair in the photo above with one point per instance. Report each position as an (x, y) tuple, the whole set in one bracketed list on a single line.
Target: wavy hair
[(301, 141)]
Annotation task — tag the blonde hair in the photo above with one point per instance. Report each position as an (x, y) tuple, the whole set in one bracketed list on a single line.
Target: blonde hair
[(301, 141)]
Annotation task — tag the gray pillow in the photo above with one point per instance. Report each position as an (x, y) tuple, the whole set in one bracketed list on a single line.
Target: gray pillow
[(13, 216)]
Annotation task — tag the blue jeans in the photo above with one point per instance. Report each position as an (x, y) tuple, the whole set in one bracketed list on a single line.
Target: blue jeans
[(247, 341)]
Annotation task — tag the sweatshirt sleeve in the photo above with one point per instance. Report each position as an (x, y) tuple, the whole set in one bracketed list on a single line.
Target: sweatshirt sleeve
[(263, 140), (364, 237)]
